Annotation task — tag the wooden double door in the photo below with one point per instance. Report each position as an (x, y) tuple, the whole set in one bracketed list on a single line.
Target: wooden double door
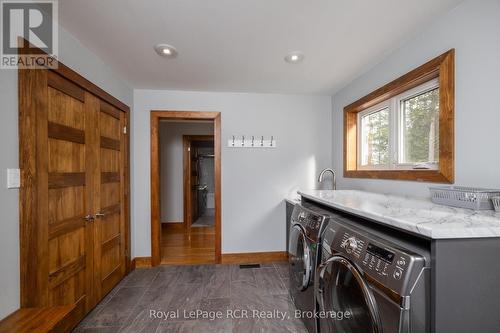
[(74, 165)]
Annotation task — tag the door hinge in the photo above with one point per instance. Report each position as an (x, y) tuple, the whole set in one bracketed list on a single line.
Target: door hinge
[(124, 129)]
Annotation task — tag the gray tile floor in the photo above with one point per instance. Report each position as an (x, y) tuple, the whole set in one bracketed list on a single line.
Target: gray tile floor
[(136, 303)]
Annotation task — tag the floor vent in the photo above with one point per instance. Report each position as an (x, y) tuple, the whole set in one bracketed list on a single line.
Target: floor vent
[(249, 266)]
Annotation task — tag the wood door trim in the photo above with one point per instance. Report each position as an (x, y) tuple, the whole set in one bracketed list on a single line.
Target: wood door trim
[(140, 262), (32, 87), (186, 168), (199, 137), (155, 117), (33, 254)]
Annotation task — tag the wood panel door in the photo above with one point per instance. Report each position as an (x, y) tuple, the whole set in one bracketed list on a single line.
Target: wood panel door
[(74, 191), (109, 244), (64, 194)]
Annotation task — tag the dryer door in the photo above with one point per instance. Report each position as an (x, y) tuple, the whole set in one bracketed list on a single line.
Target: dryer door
[(345, 298), (300, 258)]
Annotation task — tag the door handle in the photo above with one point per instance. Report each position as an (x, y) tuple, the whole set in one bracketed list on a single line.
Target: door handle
[(99, 215), (89, 218)]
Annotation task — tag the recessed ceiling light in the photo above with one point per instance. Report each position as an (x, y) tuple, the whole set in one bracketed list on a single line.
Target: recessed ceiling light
[(294, 57), (165, 50)]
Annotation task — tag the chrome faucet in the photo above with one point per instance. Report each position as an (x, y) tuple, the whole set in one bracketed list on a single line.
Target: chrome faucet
[(320, 177)]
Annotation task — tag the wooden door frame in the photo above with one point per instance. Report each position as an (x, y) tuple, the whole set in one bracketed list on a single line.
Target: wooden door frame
[(155, 117), (186, 140), (33, 234)]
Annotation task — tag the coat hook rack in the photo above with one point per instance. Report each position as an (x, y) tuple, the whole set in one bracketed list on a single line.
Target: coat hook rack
[(249, 142)]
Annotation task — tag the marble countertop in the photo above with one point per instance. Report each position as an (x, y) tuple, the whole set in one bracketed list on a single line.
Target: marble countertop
[(293, 200), (419, 216)]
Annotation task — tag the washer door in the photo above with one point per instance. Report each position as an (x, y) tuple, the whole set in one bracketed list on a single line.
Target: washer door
[(340, 287), (300, 258)]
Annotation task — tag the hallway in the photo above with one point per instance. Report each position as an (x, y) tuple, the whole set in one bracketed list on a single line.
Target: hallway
[(206, 220), (184, 246)]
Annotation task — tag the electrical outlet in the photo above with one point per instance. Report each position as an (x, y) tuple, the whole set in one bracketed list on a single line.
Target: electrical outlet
[(13, 178)]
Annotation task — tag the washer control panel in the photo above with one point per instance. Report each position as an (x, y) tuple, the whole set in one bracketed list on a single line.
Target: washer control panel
[(352, 244), (383, 262)]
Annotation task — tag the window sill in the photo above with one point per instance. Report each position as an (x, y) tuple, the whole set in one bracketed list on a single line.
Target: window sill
[(431, 176)]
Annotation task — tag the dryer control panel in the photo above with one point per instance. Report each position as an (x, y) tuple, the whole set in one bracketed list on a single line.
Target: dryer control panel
[(310, 221)]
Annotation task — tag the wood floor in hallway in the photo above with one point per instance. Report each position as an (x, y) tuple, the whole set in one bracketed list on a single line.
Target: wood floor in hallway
[(195, 245)]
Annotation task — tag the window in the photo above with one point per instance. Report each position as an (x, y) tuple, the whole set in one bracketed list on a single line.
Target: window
[(404, 130), (374, 134), (419, 128)]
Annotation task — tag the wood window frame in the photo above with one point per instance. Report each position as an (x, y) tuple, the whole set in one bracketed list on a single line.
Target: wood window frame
[(442, 68), (155, 117)]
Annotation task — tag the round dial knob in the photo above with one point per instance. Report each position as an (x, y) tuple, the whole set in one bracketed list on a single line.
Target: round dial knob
[(302, 216), (350, 244)]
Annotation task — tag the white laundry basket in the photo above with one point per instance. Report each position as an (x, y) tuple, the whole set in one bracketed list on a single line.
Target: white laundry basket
[(464, 197), (496, 203)]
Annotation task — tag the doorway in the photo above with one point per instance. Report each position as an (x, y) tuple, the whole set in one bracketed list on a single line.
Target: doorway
[(185, 187), (199, 181)]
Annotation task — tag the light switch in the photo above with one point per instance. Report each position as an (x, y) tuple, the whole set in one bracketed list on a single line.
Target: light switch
[(13, 178)]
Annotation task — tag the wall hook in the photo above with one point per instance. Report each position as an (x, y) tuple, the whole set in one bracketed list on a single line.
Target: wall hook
[(251, 141)]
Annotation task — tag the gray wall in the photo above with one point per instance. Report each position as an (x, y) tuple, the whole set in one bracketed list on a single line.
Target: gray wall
[(473, 29), (76, 56), (254, 182), (171, 166)]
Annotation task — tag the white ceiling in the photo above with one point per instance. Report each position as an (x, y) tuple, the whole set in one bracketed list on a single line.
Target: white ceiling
[(239, 45)]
